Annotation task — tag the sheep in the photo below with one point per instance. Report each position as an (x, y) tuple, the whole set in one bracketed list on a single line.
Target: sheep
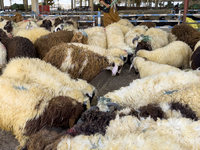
[(32, 34), (149, 68), (45, 43), (153, 38), (91, 30), (187, 34), (79, 37), (133, 33), (125, 25), (98, 39), (17, 46), (16, 18), (28, 108), (148, 24), (129, 133), (197, 45), (47, 24), (50, 78), (3, 55), (58, 21), (141, 91), (79, 63), (115, 38), (176, 54), (194, 62), (115, 52), (64, 26)]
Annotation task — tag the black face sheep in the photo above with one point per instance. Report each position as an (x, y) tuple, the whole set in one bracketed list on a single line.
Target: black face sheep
[(46, 24), (17, 46), (187, 34), (58, 21), (27, 108), (195, 59), (79, 63)]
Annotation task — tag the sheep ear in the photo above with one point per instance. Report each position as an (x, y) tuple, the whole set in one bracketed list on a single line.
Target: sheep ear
[(132, 65)]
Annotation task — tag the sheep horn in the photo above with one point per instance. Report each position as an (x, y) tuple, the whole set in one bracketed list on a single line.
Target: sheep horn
[(136, 38), (113, 105)]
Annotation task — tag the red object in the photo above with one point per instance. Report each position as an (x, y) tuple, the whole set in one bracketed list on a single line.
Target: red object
[(45, 9)]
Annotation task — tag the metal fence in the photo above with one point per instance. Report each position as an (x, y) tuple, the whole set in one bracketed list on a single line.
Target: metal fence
[(94, 14)]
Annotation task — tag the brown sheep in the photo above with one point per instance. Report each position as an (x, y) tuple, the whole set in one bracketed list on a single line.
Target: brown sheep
[(17, 46), (17, 18), (148, 24), (45, 43), (77, 62), (187, 34)]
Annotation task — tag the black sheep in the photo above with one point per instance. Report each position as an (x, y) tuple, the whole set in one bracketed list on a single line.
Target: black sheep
[(195, 59), (17, 46)]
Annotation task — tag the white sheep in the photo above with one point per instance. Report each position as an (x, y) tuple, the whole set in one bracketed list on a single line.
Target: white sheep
[(49, 77), (115, 52), (94, 34), (153, 38), (115, 38), (3, 56), (32, 34), (131, 133), (176, 54), (98, 39), (27, 108), (133, 33), (146, 90), (150, 68)]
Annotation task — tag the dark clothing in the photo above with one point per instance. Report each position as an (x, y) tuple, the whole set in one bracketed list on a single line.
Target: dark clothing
[(107, 9)]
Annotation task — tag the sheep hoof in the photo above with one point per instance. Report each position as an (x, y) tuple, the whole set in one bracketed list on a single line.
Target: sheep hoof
[(113, 106)]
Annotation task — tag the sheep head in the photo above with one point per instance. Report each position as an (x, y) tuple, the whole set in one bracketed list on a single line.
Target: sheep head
[(79, 37), (46, 24), (58, 21), (9, 26), (144, 42)]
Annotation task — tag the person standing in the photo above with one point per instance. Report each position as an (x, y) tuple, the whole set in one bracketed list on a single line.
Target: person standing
[(110, 14)]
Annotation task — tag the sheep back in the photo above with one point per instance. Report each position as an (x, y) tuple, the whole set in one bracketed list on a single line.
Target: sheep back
[(45, 43), (75, 61), (186, 34)]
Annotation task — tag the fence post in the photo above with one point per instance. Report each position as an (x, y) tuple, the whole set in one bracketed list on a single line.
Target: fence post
[(179, 17), (99, 17)]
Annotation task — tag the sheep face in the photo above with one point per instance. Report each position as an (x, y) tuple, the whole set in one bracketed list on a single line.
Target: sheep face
[(79, 37), (46, 24), (143, 45), (8, 27), (58, 21)]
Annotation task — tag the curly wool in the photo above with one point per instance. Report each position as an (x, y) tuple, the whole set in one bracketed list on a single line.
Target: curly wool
[(187, 34)]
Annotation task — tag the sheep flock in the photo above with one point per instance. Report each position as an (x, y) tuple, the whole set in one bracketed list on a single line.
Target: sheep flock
[(46, 95)]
